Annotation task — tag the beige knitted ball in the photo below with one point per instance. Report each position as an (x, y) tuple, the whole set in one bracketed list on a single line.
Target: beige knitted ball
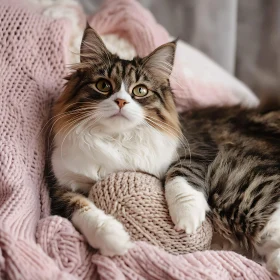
[(137, 200)]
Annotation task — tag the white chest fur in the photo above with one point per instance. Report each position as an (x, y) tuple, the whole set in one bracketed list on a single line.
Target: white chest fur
[(80, 159)]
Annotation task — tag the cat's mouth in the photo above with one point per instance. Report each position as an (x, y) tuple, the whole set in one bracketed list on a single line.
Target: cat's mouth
[(118, 115)]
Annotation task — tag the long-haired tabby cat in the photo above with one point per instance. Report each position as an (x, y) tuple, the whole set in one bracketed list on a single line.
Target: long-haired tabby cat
[(117, 115)]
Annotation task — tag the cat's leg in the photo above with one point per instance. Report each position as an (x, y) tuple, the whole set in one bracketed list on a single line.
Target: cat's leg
[(102, 231), (269, 246), (185, 195)]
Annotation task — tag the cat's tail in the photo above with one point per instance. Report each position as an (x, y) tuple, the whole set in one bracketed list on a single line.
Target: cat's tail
[(269, 101), (269, 92)]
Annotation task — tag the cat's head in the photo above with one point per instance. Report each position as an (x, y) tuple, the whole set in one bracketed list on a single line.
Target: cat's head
[(112, 95)]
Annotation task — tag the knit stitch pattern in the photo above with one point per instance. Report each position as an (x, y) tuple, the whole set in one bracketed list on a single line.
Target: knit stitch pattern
[(31, 71), (137, 200), (59, 240)]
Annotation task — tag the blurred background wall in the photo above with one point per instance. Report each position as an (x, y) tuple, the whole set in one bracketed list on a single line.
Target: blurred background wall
[(243, 36)]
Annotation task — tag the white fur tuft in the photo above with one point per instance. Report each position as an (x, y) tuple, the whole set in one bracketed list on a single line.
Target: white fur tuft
[(270, 237)]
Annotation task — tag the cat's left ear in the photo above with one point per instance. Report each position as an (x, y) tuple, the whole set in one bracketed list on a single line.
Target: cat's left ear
[(93, 50), (161, 60)]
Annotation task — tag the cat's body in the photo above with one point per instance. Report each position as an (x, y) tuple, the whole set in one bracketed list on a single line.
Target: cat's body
[(117, 115), (237, 154)]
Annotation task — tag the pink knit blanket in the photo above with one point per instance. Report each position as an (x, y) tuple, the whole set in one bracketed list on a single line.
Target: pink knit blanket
[(34, 245)]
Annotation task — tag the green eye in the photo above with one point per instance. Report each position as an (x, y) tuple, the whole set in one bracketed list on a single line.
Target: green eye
[(140, 91), (103, 85)]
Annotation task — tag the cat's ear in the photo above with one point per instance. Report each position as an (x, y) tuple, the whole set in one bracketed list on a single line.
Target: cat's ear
[(161, 60), (93, 50)]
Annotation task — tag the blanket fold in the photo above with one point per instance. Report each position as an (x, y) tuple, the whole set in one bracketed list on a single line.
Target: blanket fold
[(67, 247)]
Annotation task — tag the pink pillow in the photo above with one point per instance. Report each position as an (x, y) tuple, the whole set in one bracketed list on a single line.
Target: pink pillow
[(197, 81)]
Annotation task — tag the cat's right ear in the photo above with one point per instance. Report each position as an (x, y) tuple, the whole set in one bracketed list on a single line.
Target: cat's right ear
[(161, 60), (93, 50)]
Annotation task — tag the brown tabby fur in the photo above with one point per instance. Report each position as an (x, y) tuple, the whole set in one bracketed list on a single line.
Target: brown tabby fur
[(159, 106), (235, 161)]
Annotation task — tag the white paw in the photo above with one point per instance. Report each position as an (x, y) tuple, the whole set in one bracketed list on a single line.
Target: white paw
[(111, 238), (273, 262), (187, 206), (188, 216), (103, 232)]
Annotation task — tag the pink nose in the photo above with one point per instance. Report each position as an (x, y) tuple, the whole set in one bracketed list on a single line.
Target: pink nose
[(120, 102)]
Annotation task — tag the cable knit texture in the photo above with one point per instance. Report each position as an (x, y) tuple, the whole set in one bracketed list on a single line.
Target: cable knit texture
[(31, 71), (34, 245)]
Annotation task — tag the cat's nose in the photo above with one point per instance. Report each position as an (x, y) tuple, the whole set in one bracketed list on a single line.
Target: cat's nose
[(121, 102)]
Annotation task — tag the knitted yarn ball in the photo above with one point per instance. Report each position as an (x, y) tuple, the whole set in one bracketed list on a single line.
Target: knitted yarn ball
[(137, 200)]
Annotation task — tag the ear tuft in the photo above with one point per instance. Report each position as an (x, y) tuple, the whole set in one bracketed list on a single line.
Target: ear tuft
[(93, 50), (161, 59)]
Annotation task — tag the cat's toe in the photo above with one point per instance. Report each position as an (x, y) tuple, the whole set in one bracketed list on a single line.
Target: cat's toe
[(189, 215), (112, 238), (187, 206), (187, 218)]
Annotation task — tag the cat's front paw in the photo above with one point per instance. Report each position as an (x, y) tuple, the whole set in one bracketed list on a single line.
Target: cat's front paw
[(111, 238), (273, 262), (187, 206), (102, 231), (187, 217)]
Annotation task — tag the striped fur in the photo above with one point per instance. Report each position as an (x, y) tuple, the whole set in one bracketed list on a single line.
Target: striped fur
[(234, 160)]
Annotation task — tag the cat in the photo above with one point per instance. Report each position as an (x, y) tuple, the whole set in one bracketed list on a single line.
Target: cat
[(110, 117), (116, 115)]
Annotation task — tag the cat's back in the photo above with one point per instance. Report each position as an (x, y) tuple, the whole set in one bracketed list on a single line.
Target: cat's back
[(233, 125), (241, 150)]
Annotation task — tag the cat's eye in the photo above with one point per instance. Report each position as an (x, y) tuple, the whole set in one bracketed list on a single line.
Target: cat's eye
[(103, 85), (140, 91)]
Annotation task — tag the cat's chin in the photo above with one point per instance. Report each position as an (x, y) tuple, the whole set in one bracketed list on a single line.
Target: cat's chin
[(119, 123), (119, 115)]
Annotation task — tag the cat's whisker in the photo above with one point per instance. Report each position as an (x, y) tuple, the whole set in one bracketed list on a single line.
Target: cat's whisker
[(66, 126), (173, 129), (159, 132), (177, 136), (76, 118), (168, 140), (49, 120), (76, 114), (183, 140), (182, 143), (68, 113), (96, 117), (65, 114), (79, 123)]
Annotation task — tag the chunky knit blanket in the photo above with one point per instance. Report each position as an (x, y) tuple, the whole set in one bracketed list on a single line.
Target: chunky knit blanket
[(34, 245)]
